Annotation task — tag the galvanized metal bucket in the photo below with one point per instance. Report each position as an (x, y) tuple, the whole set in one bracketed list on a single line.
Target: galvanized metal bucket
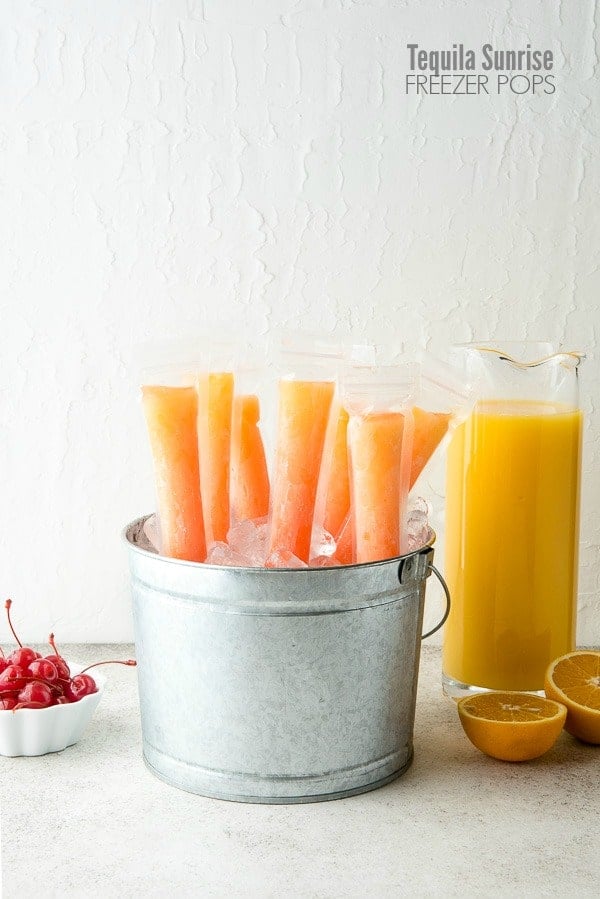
[(281, 685)]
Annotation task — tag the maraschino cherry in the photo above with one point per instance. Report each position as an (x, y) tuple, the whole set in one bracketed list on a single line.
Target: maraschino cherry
[(64, 672), (29, 681), (43, 669), (81, 685), (8, 702), (12, 678), (35, 695), (24, 655)]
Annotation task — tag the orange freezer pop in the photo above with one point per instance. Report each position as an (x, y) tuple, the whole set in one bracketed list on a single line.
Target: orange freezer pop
[(303, 415), (171, 421), (337, 500), (215, 401), (249, 475), (430, 427), (375, 442)]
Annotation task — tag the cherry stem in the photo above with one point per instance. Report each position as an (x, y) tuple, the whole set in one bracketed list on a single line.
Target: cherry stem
[(110, 662), (52, 644), (7, 606)]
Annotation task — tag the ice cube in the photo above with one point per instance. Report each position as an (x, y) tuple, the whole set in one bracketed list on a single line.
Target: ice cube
[(324, 562), (417, 507), (417, 531), (222, 554), (322, 543), (151, 532), (284, 558), (249, 539)]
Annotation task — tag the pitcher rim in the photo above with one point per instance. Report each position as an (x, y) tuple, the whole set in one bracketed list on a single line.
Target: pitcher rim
[(494, 347)]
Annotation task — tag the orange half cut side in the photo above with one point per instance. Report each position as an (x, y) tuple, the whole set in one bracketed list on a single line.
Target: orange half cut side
[(511, 726), (574, 680)]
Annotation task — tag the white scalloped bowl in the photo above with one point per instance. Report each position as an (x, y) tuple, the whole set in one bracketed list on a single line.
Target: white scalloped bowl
[(39, 731)]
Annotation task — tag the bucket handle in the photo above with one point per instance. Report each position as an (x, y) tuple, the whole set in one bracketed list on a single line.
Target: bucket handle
[(440, 578)]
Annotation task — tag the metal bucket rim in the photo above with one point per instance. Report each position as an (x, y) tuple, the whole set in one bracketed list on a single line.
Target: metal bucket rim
[(361, 566)]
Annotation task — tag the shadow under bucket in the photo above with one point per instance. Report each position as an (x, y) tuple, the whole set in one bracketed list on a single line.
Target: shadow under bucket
[(277, 685)]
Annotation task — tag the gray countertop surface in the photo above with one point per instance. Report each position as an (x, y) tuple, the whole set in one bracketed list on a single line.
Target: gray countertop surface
[(93, 822)]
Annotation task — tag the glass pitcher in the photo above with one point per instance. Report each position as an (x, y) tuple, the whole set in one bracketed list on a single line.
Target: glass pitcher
[(512, 518)]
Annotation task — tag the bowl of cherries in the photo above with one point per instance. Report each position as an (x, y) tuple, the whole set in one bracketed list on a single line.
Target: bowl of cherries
[(46, 703)]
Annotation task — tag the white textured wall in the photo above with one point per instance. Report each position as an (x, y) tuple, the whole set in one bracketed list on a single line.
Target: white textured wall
[(260, 163)]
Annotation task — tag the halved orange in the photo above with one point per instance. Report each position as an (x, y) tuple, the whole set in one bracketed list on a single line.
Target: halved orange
[(511, 726), (574, 680)]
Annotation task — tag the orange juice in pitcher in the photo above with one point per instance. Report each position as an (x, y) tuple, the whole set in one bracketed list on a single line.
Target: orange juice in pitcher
[(512, 520)]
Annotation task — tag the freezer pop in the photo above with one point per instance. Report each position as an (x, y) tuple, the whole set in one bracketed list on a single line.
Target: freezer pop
[(429, 428), (249, 474), (303, 415), (215, 402), (171, 414), (379, 476), (337, 499)]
